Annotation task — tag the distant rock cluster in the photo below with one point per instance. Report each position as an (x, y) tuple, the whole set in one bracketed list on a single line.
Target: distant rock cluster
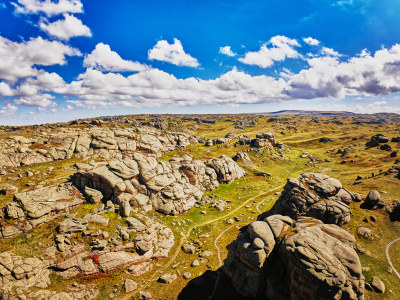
[(95, 142)]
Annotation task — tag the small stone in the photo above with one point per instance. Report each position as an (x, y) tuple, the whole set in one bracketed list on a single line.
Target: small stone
[(378, 285), (195, 263), (187, 275), (130, 285)]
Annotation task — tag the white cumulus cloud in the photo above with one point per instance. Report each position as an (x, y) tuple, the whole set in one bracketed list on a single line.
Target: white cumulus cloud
[(41, 100), (311, 41), (103, 58), (8, 110), (282, 48), (172, 53), (48, 7), (66, 28), (19, 60), (227, 51)]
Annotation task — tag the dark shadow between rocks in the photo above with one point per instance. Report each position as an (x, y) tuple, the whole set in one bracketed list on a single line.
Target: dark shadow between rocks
[(204, 287)]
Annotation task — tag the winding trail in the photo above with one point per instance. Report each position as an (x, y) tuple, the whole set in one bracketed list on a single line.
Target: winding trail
[(216, 245), (257, 207), (183, 238), (388, 257), (219, 272)]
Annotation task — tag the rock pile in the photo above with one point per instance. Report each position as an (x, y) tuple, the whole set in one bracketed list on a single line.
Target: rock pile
[(145, 182), (314, 195), (280, 258)]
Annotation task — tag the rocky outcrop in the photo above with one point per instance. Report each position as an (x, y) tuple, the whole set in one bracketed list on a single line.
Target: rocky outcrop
[(145, 182), (376, 140), (314, 195), (280, 258), (263, 140), (95, 142), (19, 273), (30, 209)]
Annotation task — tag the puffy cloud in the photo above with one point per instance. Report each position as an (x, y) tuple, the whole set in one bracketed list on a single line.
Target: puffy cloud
[(330, 52), (40, 100), (48, 7), (8, 110), (311, 41), (66, 28), (283, 48), (172, 53), (365, 74), (5, 89), (103, 58), (227, 51), (17, 60)]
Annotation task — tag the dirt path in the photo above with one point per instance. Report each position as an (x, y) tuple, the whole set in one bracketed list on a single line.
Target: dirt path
[(388, 257), (257, 207), (216, 245), (182, 240)]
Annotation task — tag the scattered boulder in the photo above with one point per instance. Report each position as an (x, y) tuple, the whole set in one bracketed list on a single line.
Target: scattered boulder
[(377, 285), (167, 278), (372, 199), (364, 232), (130, 285), (325, 140)]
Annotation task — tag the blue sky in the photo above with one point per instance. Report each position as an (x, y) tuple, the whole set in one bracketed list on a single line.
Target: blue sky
[(67, 59)]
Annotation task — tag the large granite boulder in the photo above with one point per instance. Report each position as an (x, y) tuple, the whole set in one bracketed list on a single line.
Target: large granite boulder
[(314, 195), (280, 258), (148, 183)]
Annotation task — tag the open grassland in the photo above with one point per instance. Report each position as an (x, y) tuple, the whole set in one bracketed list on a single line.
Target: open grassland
[(208, 228)]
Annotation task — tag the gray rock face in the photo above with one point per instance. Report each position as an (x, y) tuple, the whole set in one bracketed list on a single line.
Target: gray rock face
[(145, 182), (288, 259), (30, 209), (314, 195)]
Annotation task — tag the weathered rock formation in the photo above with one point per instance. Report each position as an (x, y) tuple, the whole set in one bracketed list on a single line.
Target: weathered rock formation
[(145, 182), (280, 258), (314, 195), (96, 142), (30, 209)]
